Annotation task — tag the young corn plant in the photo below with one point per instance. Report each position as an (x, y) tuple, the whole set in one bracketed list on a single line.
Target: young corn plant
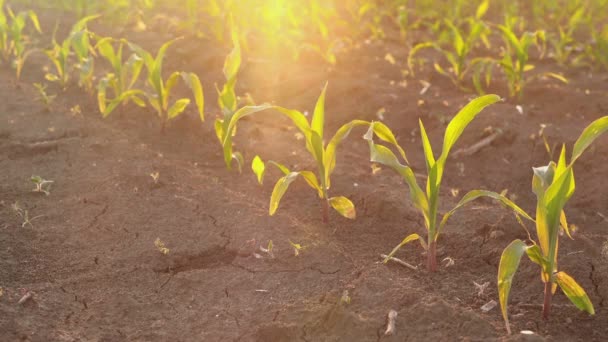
[(228, 103), (324, 156), (46, 98), (553, 186), (161, 90), (564, 42), (462, 43), (13, 42), (426, 202), (59, 55), (121, 81), (80, 37), (515, 64)]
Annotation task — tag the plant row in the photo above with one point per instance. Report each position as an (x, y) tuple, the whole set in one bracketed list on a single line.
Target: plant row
[(465, 34)]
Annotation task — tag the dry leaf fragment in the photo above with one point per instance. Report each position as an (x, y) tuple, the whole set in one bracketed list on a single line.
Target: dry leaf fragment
[(161, 246)]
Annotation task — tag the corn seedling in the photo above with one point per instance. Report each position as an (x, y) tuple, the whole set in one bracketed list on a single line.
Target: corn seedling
[(553, 186), (298, 247), (78, 40), (563, 43), (121, 80), (462, 43), (44, 97), (42, 185), (427, 203), (515, 64), (324, 156), (161, 90), (13, 41), (228, 104)]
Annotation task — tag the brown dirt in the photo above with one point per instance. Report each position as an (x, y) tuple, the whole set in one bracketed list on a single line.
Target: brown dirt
[(90, 261)]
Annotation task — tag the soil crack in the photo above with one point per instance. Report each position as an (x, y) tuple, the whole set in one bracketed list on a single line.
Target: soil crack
[(596, 284)]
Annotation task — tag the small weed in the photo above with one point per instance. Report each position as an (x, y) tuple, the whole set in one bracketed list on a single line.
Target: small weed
[(42, 185)]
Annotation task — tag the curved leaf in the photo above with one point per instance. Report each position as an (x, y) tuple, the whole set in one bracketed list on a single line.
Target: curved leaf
[(330, 151), (311, 179), (177, 108), (279, 190), (259, 168), (463, 119), (343, 206), (475, 194), (318, 117), (589, 134), (509, 262), (574, 292), (409, 238), (194, 83)]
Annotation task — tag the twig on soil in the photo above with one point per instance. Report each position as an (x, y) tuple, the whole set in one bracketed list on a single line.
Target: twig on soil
[(390, 326), (399, 261), (481, 288), (479, 145), (27, 296)]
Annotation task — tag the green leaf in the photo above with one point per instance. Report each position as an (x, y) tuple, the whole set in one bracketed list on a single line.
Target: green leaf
[(318, 118), (475, 194), (509, 262), (408, 239), (463, 119), (385, 134), (343, 206), (415, 50), (33, 19), (228, 129), (279, 190), (312, 181), (194, 83), (232, 63), (259, 168), (588, 136), (177, 108), (558, 77), (574, 292), (382, 155), (482, 9), (171, 82), (429, 158), (330, 151), (318, 152)]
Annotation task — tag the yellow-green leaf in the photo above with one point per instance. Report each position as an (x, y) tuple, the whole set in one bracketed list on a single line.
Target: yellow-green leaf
[(259, 168), (590, 133), (318, 118), (279, 190), (194, 83), (462, 120), (343, 206), (574, 292), (177, 108), (509, 262), (408, 239)]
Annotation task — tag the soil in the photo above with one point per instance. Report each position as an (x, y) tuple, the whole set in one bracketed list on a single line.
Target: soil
[(89, 259)]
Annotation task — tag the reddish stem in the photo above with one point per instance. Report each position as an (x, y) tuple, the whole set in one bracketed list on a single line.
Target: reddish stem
[(547, 302), (325, 210), (431, 262)]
